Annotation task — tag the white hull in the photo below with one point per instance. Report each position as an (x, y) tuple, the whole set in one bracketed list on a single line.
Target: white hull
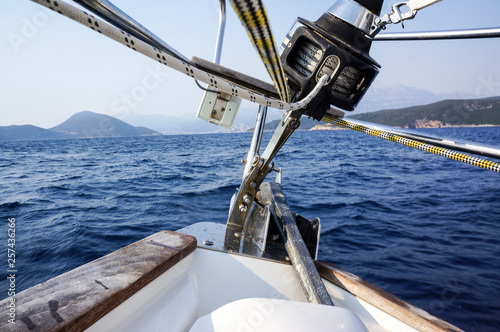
[(208, 279), (165, 283)]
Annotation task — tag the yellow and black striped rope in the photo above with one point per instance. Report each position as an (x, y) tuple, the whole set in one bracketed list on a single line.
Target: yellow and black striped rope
[(416, 144), (254, 18)]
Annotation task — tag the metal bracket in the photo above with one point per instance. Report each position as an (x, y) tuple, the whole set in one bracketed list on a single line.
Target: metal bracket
[(219, 108), (241, 204), (259, 168)]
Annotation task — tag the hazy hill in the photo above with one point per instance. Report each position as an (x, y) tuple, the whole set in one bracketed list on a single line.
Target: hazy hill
[(83, 124), (90, 124), (440, 114), (15, 133), (377, 98), (400, 96), (188, 123)]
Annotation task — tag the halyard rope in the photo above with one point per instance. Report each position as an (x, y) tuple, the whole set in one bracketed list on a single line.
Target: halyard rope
[(254, 18), (416, 144), (213, 81)]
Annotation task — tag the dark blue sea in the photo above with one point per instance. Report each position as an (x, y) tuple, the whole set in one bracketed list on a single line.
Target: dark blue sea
[(420, 226)]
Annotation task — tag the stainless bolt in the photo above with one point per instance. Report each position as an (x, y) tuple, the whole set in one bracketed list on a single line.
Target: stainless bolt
[(208, 243), (295, 124), (247, 198), (243, 208)]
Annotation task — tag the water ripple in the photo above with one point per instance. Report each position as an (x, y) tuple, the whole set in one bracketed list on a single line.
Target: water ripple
[(423, 227)]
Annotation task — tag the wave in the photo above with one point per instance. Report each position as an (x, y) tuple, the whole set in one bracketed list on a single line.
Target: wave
[(409, 222)]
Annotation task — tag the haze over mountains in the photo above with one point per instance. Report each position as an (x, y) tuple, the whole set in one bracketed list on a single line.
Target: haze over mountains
[(189, 124), (80, 125), (90, 124), (444, 113), (429, 114), (395, 97), (401, 96)]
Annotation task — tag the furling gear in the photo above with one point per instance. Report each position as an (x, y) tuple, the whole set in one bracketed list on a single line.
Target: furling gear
[(335, 45)]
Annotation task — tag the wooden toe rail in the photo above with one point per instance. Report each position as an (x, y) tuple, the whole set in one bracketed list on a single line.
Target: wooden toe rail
[(403, 311), (77, 299)]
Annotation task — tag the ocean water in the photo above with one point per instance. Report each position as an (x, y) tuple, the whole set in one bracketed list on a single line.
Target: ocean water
[(420, 226)]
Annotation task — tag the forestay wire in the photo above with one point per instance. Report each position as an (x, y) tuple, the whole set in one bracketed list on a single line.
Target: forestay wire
[(493, 166)]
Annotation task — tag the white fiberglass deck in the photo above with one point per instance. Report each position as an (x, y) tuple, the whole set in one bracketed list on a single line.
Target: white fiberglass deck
[(207, 280)]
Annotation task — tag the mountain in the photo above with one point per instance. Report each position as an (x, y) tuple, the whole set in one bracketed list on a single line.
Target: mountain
[(462, 112), (90, 124), (443, 113), (16, 133), (83, 124), (377, 98), (400, 96), (171, 124)]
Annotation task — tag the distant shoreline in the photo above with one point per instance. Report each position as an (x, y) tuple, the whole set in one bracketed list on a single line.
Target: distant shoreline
[(323, 127), (452, 126), (470, 126)]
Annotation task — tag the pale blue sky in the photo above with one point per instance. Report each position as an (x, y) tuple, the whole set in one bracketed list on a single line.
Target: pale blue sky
[(51, 67)]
